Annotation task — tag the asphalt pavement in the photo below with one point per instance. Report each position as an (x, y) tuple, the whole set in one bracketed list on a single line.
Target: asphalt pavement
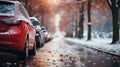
[(62, 53)]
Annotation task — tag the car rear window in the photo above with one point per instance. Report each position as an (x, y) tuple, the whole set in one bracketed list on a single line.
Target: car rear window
[(7, 9)]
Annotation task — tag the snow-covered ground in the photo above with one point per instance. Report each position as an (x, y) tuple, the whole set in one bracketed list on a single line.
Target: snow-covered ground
[(102, 44)]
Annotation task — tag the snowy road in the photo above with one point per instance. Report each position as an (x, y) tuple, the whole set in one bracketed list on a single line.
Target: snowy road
[(63, 53)]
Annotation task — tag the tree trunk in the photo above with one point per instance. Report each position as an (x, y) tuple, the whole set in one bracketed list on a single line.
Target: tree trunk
[(81, 10), (89, 20), (114, 9), (115, 24), (26, 3)]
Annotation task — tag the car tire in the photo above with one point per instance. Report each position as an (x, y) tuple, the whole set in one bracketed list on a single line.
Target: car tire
[(42, 45), (38, 44), (33, 51), (26, 52), (24, 55)]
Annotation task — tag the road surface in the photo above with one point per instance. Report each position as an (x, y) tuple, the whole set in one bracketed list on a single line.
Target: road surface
[(62, 53)]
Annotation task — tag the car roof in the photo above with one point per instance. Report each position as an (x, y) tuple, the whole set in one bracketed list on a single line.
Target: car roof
[(19, 16), (34, 18)]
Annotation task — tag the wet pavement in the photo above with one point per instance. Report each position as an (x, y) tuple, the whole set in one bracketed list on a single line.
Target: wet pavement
[(62, 53)]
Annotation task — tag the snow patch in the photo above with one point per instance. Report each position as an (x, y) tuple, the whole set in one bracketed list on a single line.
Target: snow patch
[(102, 44)]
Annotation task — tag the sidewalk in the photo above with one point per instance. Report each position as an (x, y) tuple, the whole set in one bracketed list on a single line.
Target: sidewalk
[(102, 44)]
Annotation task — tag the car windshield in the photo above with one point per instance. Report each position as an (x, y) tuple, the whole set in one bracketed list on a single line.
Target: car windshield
[(35, 23), (7, 9)]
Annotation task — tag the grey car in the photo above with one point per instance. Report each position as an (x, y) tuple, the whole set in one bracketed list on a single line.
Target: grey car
[(40, 37)]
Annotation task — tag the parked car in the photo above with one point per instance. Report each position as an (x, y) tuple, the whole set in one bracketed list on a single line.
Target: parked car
[(48, 36), (17, 34), (40, 37)]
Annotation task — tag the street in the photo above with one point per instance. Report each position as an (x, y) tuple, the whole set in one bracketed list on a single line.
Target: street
[(62, 53), (59, 33)]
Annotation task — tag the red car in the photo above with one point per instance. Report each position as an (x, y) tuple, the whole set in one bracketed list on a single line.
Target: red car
[(17, 34)]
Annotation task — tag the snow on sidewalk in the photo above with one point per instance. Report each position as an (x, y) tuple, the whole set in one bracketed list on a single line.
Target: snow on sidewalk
[(102, 44)]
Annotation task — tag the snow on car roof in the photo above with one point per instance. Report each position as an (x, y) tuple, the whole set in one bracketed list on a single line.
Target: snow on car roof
[(10, 1), (21, 13), (34, 18)]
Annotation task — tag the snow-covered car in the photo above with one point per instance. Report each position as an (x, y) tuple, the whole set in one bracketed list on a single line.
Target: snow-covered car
[(17, 34), (40, 37)]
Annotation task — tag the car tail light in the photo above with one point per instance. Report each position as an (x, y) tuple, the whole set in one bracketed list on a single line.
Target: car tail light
[(11, 21), (48, 36)]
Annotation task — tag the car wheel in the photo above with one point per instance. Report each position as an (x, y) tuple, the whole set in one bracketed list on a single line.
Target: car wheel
[(24, 54), (42, 45), (33, 51), (38, 42)]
